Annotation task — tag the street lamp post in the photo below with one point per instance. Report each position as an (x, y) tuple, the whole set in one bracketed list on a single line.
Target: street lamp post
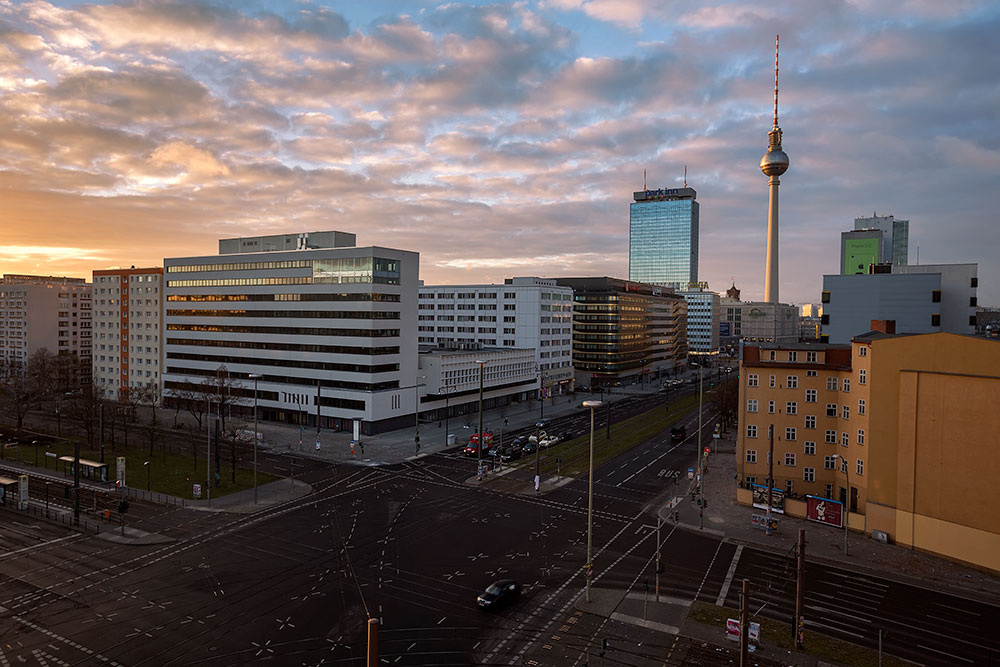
[(593, 405), (847, 498), (701, 456), (541, 395), (416, 412), (538, 449), (254, 377), (146, 464), (479, 442)]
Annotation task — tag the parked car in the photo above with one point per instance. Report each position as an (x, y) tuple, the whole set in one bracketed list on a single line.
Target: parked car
[(499, 594), (510, 453), (530, 447)]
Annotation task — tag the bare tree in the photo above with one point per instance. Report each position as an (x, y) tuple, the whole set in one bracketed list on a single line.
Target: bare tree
[(84, 408), (225, 392), (192, 399), (25, 385)]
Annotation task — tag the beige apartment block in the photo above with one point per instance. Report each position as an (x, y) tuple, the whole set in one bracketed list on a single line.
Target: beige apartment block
[(51, 312), (898, 426)]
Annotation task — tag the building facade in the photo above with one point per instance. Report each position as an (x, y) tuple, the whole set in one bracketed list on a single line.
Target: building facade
[(759, 321), (892, 425), (892, 241), (127, 326), (50, 312), (523, 313), (663, 237), (921, 298), (331, 331), (625, 332), (703, 317)]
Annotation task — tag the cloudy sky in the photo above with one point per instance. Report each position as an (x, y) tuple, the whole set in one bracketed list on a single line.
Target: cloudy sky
[(496, 139)]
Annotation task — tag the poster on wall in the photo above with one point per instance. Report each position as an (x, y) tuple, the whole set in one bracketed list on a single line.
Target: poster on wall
[(760, 498), (824, 510)]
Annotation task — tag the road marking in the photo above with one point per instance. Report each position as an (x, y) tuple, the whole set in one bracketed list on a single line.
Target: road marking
[(964, 611), (832, 629), (720, 601), (707, 570), (38, 546), (956, 657)]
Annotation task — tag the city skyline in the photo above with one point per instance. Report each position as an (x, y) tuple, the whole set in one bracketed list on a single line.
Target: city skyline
[(496, 140)]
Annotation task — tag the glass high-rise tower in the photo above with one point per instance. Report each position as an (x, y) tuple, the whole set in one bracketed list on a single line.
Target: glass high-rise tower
[(663, 237)]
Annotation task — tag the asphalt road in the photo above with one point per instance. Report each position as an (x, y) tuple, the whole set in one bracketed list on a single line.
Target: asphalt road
[(412, 545)]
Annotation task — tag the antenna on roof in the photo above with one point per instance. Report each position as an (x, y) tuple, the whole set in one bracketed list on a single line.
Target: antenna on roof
[(776, 80), (643, 179), (685, 175)]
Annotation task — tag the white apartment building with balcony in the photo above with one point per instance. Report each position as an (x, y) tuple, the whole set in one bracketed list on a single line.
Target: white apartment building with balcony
[(522, 313), (128, 322)]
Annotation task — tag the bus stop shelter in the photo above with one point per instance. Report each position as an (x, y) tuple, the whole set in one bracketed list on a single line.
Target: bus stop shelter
[(91, 470), (8, 491)]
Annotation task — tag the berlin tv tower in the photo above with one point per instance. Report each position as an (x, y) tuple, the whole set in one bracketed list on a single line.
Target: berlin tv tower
[(773, 164)]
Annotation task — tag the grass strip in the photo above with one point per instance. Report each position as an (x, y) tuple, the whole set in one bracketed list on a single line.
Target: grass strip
[(776, 633), (170, 474)]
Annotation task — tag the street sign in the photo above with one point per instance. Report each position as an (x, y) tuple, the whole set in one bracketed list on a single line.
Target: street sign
[(706, 451), (22, 492), (121, 471), (196, 490), (733, 630), (715, 436), (690, 473)]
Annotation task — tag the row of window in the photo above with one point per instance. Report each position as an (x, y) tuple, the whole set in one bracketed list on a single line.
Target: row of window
[(791, 433), (791, 356), (792, 381), (829, 462), (792, 407)]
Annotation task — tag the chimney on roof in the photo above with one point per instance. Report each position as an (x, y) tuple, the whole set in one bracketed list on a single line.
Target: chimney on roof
[(884, 326)]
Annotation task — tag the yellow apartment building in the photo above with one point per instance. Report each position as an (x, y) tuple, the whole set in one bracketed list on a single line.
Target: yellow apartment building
[(902, 427)]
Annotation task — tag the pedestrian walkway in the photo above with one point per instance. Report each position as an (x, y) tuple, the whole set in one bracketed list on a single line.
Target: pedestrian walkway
[(397, 446), (823, 543)]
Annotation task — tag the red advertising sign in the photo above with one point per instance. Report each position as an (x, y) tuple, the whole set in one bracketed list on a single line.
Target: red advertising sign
[(824, 510)]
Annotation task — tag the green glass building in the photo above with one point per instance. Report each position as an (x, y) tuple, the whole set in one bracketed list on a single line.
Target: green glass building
[(663, 237)]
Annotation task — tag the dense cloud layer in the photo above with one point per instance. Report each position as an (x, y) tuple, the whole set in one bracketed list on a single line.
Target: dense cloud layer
[(495, 139)]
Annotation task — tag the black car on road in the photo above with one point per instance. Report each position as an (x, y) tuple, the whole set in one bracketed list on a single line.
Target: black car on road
[(499, 594)]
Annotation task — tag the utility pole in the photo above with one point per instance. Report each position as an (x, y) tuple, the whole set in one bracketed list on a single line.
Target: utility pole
[(319, 402), (798, 627), (608, 436), (659, 521), (701, 456), (770, 476), (76, 482), (372, 642), (745, 624)]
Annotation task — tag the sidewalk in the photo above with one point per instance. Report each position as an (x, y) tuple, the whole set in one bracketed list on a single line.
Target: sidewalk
[(826, 543), (398, 446)]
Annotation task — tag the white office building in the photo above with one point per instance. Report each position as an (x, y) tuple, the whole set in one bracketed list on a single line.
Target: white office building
[(332, 331), (128, 316), (703, 316), (522, 313)]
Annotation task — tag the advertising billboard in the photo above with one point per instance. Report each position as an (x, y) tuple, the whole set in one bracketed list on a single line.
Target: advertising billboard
[(760, 498), (824, 510), (858, 254), (725, 329)]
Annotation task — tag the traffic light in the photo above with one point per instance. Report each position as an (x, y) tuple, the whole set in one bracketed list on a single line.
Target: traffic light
[(604, 646), (122, 506), (645, 584)]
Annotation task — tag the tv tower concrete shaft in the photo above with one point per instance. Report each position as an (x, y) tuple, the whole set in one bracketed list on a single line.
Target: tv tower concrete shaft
[(773, 164)]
